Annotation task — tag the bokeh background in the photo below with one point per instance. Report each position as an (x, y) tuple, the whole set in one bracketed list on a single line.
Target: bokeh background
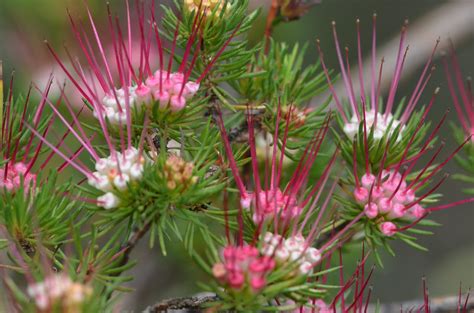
[(24, 24)]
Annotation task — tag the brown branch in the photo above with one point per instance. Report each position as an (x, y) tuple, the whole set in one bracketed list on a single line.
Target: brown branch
[(272, 14), (188, 304), (437, 305), (127, 248)]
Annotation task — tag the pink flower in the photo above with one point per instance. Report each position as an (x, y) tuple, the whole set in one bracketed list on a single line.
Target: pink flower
[(257, 283), (371, 210), (417, 211), (388, 228), (361, 195), (236, 279)]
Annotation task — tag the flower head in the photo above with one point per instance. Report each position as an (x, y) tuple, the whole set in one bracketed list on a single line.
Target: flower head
[(294, 249), (178, 173), (393, 194), (275, 203), (59, 289), (378, 117), (120, 81), (19, 154), (13, 176), (206, 7), (243, 267), (282, 221), (115, 172)]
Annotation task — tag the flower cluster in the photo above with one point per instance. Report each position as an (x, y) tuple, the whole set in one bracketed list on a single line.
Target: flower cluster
[(242, 267), (381, 125), (115, 173), (167, 87), (370, 107), (114, 106), (58, 289), (170, 91), (293, 249), (387, 198), (14, 176), (207, 6), (295, 115), (178, 173), (268, 203)]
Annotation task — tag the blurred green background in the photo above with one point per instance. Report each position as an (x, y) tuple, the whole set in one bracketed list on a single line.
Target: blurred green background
[(24, 24)]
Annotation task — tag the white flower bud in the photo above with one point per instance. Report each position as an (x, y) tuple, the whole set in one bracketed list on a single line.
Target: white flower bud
[(136, 171), (131, 154), (125, 166), (299, 239), (103, 183), (350, 129), (276, 240), (191, 89), (313, 255), (92, 180), (120, 181), (305, 268), (108, 201), (268, 237), (268, 250), (295, 255), (292, 245), (102, 165), (110, 102), (282, 254)]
